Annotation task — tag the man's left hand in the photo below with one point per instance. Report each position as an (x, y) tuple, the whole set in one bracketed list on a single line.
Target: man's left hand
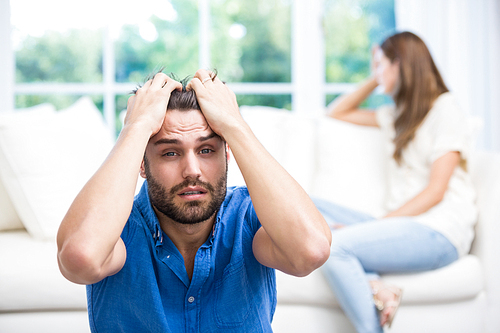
[(218, 103)]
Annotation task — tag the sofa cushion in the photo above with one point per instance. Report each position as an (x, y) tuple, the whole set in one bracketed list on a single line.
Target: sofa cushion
[(9, 219), (351, 166), (30, 278), (461, 280), (45, 163)]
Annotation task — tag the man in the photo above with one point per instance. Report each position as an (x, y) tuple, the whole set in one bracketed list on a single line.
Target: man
[(185, 256)]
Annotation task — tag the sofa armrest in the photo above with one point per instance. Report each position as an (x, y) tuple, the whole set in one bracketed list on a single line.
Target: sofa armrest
[(485, 172)]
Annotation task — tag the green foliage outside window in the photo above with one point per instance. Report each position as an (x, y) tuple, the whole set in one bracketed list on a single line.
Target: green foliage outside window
[(261, 51), (175, 48), (250, 41), (351, 28), (75, 56)]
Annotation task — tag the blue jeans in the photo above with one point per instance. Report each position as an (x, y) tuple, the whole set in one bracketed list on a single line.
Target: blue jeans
[(367, 247)]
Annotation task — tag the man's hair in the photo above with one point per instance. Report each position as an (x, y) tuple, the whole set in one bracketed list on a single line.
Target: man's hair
[(179, 100)]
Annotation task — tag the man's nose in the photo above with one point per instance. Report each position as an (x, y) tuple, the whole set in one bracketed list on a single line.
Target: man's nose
[(191, 167)]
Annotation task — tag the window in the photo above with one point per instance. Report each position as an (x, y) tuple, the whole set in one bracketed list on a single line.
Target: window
[(251, 43), (99, 49), (352, 28)]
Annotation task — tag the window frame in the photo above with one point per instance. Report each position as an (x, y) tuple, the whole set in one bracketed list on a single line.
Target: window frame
[(308, 88)]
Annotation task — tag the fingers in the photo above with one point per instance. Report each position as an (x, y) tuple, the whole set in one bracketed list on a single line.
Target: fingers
[(130, 102), (159, 82), (163, 81), (205, 81), (203, 78), (195, 84), (146, 85)]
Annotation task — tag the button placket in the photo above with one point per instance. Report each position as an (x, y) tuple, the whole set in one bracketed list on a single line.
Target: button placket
[(193, 300)]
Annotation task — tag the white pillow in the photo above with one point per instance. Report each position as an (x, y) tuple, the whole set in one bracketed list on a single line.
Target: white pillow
[(9, 219), (44, 164), (351, 166)]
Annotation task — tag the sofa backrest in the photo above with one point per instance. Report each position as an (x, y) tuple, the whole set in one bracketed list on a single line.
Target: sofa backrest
[(333, 160), (344, 163), (350, 165), (485, 172), (45, 159), (289, 139), (9, 218)]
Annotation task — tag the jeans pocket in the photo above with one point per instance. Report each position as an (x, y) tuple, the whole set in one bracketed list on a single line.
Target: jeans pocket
[(232, 292)]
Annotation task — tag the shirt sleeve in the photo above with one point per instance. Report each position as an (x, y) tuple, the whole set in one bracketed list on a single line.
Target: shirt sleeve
[(450, 130), (245, 214), (385, 117), (251, 219), (130, 227)]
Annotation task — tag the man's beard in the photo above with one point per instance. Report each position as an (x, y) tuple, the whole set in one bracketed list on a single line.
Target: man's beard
[(191, 212)]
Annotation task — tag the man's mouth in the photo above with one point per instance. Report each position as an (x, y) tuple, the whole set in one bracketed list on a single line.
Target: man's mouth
[(193, 193)]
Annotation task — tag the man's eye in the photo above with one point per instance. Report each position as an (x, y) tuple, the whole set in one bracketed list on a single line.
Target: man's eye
[(170, 153), (206, 151)]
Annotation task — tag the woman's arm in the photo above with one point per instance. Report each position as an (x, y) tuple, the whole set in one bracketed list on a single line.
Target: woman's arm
[(441, 172), (346, 107)]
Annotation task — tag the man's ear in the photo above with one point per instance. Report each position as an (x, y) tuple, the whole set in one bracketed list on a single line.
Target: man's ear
[(142, 171)]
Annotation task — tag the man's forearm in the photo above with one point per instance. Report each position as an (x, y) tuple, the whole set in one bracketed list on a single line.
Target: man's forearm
[(297, 229), (91, 229)]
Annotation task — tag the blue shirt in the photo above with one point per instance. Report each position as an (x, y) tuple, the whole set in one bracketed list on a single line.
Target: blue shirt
[(230, 291)]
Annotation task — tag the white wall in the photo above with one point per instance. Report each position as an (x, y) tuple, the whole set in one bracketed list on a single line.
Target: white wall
[(6, 59)]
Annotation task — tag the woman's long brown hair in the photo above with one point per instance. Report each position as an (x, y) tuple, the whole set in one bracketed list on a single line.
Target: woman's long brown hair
[(419, 85)]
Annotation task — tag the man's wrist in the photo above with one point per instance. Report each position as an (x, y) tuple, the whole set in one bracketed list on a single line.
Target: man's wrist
[(137, 128), (235, 131)]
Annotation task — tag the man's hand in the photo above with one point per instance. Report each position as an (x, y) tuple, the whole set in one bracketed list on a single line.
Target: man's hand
[(149, 105), (218, 103)]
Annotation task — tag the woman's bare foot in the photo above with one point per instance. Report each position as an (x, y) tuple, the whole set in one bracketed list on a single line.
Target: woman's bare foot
[(387, 299)]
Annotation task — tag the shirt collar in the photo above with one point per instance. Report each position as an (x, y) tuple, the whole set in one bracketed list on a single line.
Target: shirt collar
[(146, 209)]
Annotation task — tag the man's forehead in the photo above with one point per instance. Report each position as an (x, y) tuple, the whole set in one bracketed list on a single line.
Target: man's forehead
[(179, 124)]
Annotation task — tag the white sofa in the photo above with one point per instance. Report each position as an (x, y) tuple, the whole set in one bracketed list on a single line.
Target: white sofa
[(332, 160)]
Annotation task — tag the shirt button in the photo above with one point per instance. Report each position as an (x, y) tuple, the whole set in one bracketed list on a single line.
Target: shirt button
[(191, 299)]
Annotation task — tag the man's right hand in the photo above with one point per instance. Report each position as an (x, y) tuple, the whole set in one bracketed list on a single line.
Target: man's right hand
[(149, 104)]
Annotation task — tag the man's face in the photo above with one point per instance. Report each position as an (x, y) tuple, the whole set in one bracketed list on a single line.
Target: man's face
[(185, 165)]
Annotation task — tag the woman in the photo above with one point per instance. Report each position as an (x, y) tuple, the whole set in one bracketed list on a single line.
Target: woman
[(430, 201)]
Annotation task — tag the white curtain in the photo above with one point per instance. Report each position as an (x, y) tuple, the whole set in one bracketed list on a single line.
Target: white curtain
[(464, 39), (6, 59)]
